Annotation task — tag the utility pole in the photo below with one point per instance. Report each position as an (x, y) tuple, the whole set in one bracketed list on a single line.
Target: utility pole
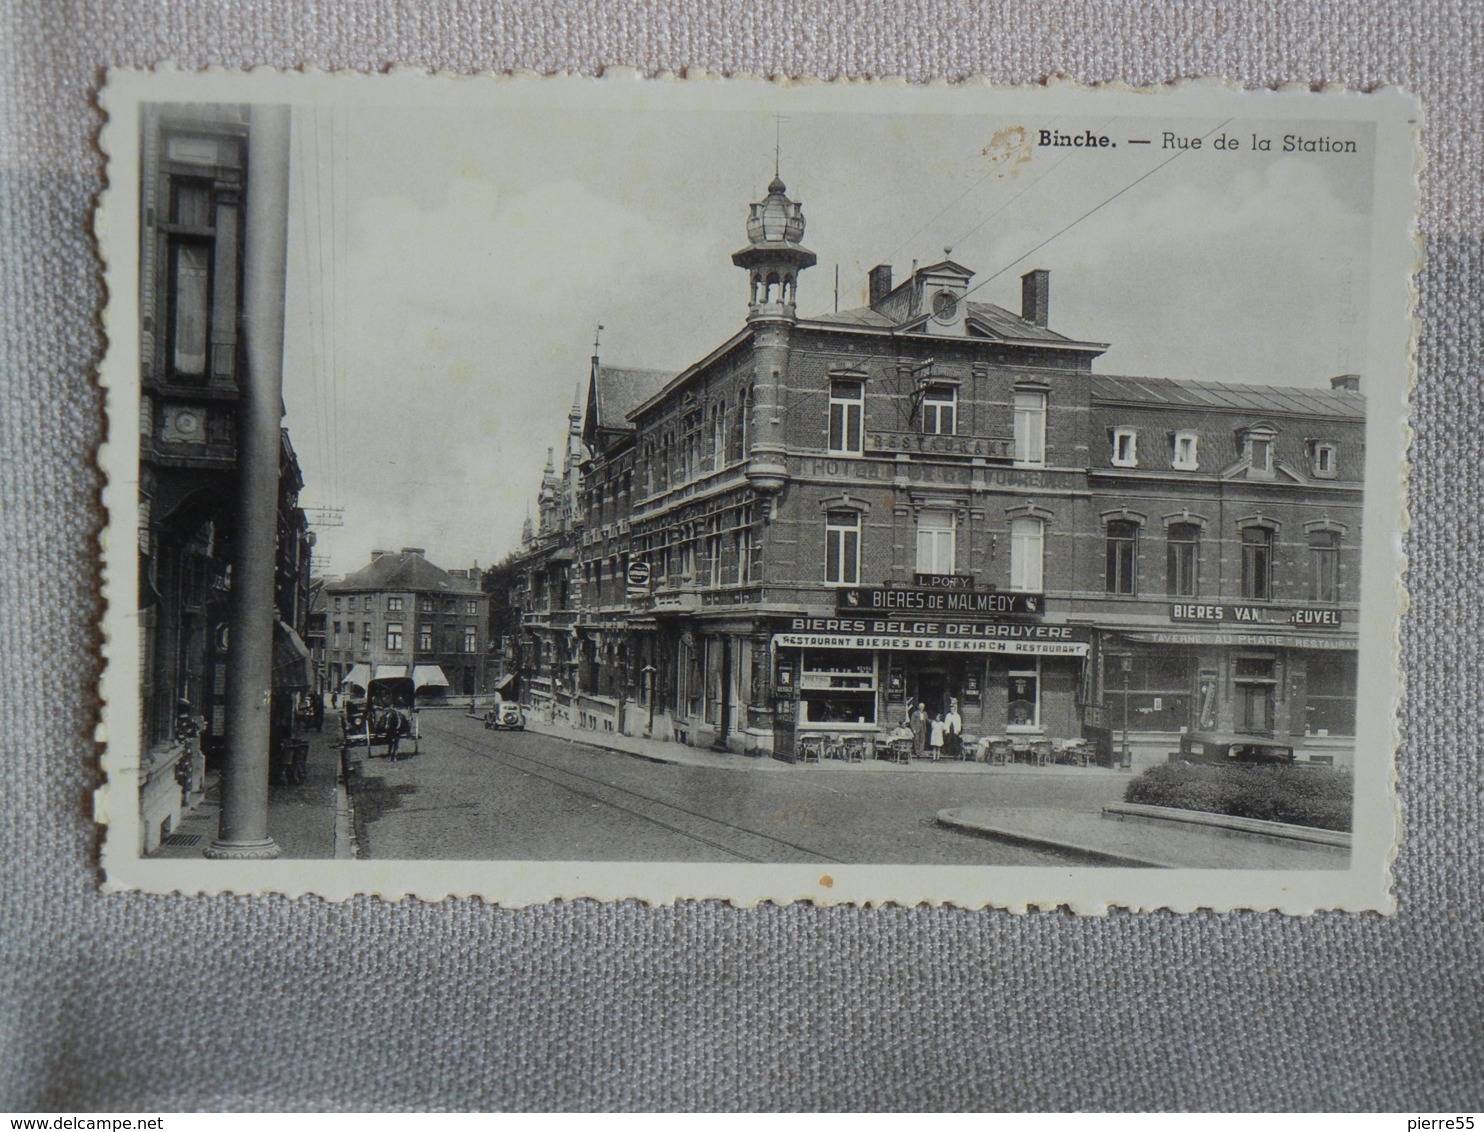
[(243, 831)]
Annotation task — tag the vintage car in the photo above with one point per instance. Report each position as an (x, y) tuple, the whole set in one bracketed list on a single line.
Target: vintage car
[(505, 716), (1220, 749)]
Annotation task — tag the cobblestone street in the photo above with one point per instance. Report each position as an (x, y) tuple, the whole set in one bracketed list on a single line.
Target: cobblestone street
[(477, 794)]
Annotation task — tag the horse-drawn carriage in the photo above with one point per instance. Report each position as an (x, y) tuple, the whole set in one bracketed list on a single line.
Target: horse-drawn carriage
[(379, 710)]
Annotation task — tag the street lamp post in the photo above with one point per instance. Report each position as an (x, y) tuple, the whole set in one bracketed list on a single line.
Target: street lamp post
[(1127, 662), (648, 672)]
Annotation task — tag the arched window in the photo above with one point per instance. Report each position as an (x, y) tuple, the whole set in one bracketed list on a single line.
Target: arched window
[(1121, 576), (1183, 559), (718, 435), (1324, 565), (1257, 563)]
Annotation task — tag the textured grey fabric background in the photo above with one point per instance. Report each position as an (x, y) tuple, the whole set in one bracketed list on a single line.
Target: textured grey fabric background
[(161, 1003)]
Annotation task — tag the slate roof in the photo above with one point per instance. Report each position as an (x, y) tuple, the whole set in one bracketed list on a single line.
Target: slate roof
[(620, 390), (403, 571), (1221, 395), (997, 318)]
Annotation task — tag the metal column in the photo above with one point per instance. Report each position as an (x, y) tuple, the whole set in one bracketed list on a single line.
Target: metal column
[(243, 833)]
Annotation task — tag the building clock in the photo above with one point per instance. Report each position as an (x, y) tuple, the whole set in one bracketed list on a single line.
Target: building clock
[(184, 424), (945, 306)]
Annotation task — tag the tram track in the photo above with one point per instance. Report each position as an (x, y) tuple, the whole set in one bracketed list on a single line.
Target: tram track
[(679, 820)]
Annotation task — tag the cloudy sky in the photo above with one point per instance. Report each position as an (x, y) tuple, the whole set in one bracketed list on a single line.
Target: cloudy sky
[(447, 271)]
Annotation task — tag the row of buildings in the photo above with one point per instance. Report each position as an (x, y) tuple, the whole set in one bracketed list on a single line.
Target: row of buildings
[(931, 498)]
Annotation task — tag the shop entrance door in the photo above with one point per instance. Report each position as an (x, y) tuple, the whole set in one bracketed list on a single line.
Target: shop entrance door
[(932, 690), (1255, 708)]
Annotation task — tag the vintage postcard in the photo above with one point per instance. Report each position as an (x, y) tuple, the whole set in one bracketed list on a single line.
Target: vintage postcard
[(548, 488)]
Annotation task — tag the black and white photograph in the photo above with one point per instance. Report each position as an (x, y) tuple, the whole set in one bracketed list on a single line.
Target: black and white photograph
[(540, 488)]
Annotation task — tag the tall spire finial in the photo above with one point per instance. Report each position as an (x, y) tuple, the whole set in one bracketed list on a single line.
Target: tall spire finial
[(596, 336), (777, 144)]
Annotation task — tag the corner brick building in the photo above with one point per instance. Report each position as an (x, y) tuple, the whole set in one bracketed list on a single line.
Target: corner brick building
[(829, 518), (400, 615)]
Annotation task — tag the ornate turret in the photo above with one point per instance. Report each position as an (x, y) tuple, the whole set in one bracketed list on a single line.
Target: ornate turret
[(773, 259), (774, 255), (546, 501)]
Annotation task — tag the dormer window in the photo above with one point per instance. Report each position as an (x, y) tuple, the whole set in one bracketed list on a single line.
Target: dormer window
[(940, 410), (1323, 458), (1125, 448), (1184, 456), (1257, 448)]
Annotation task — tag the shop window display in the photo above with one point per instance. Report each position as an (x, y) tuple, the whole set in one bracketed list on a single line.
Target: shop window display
[(1159, 692), (837, 686)]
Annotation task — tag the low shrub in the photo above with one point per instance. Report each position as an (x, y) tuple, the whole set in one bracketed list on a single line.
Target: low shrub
[(1316, 796)]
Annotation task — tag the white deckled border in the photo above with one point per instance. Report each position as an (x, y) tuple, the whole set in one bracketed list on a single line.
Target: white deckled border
[(1393, 330)]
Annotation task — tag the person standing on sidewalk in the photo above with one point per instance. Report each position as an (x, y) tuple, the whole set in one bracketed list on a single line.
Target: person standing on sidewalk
[(935, 738), (953, 729), (918, 722)]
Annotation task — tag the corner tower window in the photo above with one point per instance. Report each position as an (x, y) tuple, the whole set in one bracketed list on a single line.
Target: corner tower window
[(847, 412)]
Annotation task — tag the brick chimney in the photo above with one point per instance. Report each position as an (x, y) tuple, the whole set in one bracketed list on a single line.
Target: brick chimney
[(413, 550), (375, 554), (1350, 382), (1035, 296), (880, 282)]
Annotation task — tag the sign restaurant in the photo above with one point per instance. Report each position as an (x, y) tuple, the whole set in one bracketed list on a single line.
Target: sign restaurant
[(921, 635), (942, 601)]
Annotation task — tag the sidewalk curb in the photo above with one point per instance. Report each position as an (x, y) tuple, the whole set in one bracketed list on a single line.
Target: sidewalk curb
[(1273, 832), (953, 819), (598, 745)]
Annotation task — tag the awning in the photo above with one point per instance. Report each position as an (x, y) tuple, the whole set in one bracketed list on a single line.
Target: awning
[(292, 667), (361, 675), (428, 676)]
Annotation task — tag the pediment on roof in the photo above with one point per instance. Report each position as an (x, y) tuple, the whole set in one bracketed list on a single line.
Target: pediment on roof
[(1241, 469), (946, 267)]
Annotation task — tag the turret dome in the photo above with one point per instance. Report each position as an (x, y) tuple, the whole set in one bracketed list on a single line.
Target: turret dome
[(775, 219)]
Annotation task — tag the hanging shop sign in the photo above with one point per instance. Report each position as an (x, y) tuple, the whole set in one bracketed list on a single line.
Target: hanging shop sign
[(941, 602), (1306, 617)]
